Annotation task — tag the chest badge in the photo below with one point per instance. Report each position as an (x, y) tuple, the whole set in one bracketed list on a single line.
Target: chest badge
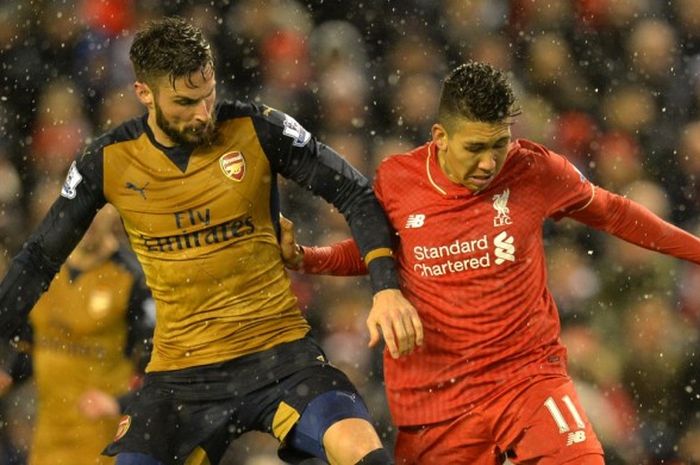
[(500, 204), (233, 165)]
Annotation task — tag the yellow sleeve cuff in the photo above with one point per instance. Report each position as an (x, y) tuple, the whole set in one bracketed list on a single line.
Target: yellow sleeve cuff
[(378, 253)]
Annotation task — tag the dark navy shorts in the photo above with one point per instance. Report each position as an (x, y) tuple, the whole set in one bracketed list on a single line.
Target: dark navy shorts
[(200, 410)]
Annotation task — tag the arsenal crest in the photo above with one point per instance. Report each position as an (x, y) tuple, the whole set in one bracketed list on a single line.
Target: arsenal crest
[(233, 165), (123, 427)]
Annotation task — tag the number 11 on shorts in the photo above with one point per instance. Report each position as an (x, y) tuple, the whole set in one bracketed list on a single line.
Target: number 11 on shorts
[(559, 417)]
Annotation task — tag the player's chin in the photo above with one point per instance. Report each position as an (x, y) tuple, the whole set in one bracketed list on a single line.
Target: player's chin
[(477, 184), (473, 187), (198, 137)]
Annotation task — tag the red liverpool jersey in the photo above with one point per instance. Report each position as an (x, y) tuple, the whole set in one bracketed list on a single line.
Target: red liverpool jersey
[(473, 265)]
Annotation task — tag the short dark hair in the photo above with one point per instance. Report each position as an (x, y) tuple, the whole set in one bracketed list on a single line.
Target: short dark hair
[(169, 47), (478, 92)]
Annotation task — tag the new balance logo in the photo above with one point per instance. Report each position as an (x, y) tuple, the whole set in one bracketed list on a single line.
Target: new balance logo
[(505, 250), (575, 437), (415, 221)]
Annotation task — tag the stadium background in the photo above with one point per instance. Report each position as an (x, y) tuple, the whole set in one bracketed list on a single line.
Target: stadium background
[(614, 85)]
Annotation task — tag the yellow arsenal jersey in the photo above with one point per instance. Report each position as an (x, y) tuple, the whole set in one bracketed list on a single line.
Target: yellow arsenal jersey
[(204, 222), (204, 235)]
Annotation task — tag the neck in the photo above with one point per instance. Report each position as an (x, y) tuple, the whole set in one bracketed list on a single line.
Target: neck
[(160, 137)]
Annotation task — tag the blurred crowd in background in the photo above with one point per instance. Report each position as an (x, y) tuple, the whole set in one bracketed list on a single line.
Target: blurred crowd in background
[(613, 85)]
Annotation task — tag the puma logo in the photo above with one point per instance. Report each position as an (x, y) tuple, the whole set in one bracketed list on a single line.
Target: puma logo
[(140, 190)]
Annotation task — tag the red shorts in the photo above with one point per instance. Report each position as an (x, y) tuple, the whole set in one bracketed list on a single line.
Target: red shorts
[(533, 423)]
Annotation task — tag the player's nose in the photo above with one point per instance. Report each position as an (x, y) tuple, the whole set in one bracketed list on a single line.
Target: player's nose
[(487, 162), (202, 112)]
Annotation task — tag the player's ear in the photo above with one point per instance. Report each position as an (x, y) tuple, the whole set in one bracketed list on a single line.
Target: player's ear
[(144, 94), (439, 136)]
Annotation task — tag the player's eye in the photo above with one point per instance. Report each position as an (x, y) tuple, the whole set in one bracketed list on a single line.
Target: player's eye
[(186, 103)]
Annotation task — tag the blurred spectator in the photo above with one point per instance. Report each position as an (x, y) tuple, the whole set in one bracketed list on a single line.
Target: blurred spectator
[(631, 274), (87, 340), (60, 128), (689, 299), (687, 191), (413, 99), (687, 14), (573, 282), (575, 134), (660, 349), (630, 109), (337, 43), (554, 74), (118, 104), (689, 445), (597, 370), (11, 219), (286, 75), (491, 49), (538, 117), (617, 160), (652, 49), (469, 21), (110, 17)]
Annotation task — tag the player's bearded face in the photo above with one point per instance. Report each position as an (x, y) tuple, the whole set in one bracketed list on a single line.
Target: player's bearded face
[(472, 153), (184, 133), (185, 112)]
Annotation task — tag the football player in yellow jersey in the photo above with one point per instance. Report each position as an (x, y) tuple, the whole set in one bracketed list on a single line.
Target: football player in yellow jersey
[(85, 333), (195, 184)]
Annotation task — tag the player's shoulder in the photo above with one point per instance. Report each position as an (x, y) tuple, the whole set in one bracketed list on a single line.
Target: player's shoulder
[(129, 130), (524, 153), (268, 121), (231, 109), (527, 149)]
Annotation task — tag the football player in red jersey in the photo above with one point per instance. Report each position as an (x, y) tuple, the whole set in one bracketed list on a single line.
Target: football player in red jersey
[(490, 380)]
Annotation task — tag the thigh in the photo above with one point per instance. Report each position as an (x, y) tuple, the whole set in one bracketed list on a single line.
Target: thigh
[(306, 404), (545, 424), (465, 440), (170, 428), (136, 433)]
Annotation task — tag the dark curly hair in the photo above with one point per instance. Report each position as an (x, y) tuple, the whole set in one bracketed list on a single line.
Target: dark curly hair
[(478, 92), (169, 47)]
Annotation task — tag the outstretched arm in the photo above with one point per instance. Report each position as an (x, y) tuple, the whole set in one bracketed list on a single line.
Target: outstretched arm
[(340, 259), (634, 223)]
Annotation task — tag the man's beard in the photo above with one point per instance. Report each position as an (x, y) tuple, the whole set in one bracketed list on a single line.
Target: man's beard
[(203, 135)]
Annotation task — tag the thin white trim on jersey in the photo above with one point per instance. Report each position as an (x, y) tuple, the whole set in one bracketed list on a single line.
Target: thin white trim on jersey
[(587, 203), (427, 169)]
